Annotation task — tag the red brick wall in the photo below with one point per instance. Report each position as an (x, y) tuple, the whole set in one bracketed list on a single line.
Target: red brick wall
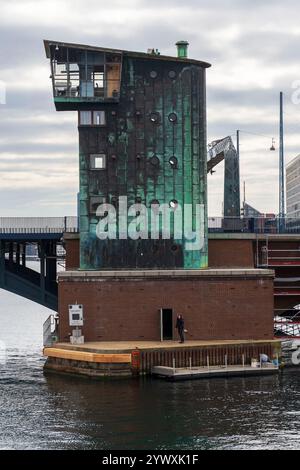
[(230, 253), (128, 308), (72, 253)]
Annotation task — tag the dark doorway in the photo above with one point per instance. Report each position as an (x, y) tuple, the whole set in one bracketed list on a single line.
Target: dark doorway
[(166, 322)]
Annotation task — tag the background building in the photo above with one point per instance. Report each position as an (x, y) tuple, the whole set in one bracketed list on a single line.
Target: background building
[(293, 188)]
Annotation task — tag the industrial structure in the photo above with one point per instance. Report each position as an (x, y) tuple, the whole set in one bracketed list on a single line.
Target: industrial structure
[(142, 135)]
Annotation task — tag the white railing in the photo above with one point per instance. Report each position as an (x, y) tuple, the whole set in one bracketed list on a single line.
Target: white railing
[(49, 328), (38, 224)]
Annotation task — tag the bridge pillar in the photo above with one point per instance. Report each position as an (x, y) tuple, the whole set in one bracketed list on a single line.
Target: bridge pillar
[(51, 267), (18, 253), (42, 270), (24, 254)]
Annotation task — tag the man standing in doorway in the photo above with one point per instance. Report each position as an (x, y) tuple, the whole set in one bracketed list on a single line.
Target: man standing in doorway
[(180, 327)]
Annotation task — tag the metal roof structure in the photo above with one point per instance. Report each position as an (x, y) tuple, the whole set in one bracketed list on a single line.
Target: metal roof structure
[(141, 55)]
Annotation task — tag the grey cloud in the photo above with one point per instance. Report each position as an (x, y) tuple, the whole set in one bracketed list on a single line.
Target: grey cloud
[(39, 203)]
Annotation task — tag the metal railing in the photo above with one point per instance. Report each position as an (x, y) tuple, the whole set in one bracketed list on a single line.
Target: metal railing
[(285, 327), (28, 225), (215, 225), (49, 331), (254, 224)]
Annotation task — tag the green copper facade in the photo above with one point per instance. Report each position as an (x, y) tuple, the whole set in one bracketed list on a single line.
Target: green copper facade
[(147, 132)]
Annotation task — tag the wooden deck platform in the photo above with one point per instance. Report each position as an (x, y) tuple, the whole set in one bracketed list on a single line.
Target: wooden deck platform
[(127, 358), (185, 373), (121, 347)]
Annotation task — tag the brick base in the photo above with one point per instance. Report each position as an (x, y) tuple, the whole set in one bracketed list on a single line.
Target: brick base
[(123, 306)]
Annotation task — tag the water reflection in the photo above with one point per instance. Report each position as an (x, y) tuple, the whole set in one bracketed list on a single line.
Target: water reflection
[(49, 411)]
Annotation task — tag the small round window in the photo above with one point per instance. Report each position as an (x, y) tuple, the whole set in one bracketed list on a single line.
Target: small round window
[(154, 117), (172, 117), (153, 74), (154, 161), (173, 204), (172, 74), (173, 162), (154, 202), (114, 201), (174, 248)]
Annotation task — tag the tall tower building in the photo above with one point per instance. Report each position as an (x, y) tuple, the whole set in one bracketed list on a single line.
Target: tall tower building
[(142, 142)]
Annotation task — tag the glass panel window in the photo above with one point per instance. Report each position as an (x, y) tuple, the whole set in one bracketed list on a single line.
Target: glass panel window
[(99, 118), (85, 118), (98, 161)]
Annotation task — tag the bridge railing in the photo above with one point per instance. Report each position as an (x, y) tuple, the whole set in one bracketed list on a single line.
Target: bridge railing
[(38, 224), (254, 225), (270, 225)]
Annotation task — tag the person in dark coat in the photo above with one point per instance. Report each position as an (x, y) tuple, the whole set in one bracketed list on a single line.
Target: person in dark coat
[(180, 327)]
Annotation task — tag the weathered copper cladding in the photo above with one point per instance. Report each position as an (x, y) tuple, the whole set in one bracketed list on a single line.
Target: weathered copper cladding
[(153, 138)]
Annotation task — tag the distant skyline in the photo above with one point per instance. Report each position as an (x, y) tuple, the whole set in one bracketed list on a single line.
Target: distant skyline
[(253, 47)]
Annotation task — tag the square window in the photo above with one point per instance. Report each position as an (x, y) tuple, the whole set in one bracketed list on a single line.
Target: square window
[(98, 161), (85, 118), (99, 118)]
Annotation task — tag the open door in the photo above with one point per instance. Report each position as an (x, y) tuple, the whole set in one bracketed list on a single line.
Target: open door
[(166, 324)]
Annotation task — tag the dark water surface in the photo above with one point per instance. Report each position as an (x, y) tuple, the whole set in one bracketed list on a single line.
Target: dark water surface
[(55, 412)]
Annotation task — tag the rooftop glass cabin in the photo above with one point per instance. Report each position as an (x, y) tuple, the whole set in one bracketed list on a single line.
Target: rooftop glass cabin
[(82, 74)]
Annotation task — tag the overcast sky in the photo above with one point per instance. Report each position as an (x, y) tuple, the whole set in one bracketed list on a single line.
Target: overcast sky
[(254, 49)]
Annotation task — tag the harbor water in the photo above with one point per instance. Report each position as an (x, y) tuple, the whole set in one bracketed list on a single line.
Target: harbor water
[(40, 411)]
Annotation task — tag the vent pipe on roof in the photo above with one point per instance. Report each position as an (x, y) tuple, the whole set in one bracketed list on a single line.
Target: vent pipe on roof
[(182, 47)]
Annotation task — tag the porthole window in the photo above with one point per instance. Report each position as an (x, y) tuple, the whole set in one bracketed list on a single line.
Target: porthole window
[(173, 162), (154, 117), (154, 161), (174, 248), (172, 74), (153, 74), (173, 204), (172, 117), (154, 202), (114, 201)]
